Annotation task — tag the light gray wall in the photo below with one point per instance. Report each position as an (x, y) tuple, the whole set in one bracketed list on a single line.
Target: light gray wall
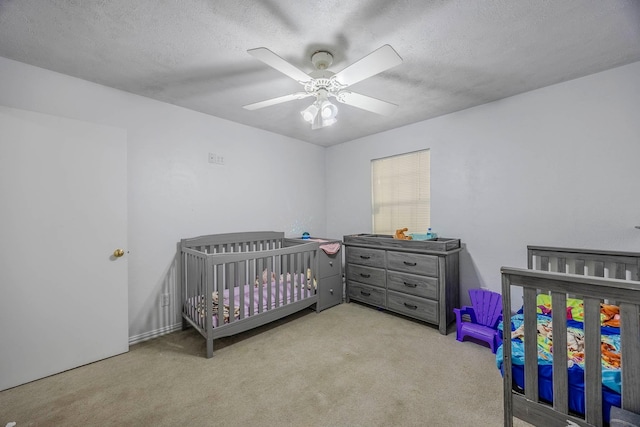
[(557, 166), (268, 182)]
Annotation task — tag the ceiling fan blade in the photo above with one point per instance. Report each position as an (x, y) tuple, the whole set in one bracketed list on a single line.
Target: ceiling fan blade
[(274, 61), (366, 102), (278, 100), (372, 64)]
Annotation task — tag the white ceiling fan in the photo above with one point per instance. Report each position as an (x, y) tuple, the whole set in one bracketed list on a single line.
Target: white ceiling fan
[(324, 84)]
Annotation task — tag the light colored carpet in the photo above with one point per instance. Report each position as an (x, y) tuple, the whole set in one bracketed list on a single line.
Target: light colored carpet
[(350, 365)]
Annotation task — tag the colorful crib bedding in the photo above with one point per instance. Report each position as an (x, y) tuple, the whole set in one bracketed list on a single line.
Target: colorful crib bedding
[(610, 346)]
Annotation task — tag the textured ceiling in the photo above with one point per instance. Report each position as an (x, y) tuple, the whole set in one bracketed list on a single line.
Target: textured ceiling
[(193, 53)]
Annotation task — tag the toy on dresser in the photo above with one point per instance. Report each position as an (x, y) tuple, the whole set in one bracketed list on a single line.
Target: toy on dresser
[(400, 234)]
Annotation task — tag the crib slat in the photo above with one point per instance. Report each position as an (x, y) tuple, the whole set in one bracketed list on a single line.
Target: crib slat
[(252, 274), (269, 282), (296, 277), (208, 279), (214, 288), (285, 270), (507, 373), (530, 345), (592, 362), (309, 274), (198, 274), (598, 269), (261, 286), (630, 339), (560, 376), (291, 270), (279, 277), (228, 284), (240, 283), (544, 263), (304, 258)]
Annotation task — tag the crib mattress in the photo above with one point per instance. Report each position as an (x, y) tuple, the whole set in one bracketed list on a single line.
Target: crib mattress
[(250, 299)]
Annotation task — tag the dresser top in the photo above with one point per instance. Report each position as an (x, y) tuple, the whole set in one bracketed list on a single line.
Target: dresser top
[(437, 246)]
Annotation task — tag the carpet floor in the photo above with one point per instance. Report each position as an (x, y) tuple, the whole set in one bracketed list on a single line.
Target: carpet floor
[(350, 365)]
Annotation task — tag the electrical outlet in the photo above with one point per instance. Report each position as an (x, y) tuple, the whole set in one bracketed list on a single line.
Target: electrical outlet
[(165, 300), (216, 159)]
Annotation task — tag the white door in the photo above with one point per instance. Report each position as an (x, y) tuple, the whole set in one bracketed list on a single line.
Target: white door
[(63, 212)]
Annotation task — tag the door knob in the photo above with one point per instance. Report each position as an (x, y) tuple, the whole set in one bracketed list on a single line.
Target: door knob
[(118, 253)]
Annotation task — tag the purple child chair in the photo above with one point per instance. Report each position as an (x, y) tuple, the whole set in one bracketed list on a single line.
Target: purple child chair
[(484, 315)]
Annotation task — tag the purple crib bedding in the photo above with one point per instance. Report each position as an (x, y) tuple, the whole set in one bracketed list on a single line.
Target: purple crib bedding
[(265, 296)]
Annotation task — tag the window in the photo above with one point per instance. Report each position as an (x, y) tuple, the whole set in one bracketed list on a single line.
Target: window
[(401, 187)]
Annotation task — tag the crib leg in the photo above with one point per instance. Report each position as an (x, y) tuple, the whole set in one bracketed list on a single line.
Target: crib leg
[(209, 349)]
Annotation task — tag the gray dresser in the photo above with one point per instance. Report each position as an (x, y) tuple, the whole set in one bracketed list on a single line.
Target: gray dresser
[(419, 279)]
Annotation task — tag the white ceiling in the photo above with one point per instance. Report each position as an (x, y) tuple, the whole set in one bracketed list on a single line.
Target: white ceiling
[(192, 53)]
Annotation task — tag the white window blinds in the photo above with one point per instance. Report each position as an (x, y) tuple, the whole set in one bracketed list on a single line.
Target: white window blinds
[(401, 187)]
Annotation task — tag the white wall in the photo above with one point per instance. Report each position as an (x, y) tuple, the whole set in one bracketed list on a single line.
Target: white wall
[(557, 166), (269, 182)]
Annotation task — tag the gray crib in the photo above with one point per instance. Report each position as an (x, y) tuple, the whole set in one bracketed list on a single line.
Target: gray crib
[(594, 277), (234, 282)]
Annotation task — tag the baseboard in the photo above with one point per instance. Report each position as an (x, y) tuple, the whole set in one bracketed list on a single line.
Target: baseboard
[(154, 334)]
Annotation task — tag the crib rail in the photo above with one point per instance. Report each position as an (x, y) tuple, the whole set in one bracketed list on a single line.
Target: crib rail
[(611, 264), (236, 242), (593, 290)]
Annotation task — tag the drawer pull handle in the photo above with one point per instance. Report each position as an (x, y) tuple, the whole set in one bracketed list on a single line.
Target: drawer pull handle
[(413, 264), (365, 256), (411, 306), (411, 285), (366, 276), (366, 294)]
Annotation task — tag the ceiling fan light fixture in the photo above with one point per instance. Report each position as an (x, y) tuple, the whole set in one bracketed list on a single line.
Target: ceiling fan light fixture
[(310, 113), (320, 114), (328, 111)]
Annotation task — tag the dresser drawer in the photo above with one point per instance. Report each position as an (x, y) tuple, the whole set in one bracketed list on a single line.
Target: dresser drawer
[(368, 294), (330, 264), (413, 263), (365, 256), (421, 286), (368, 275), (419, 308), (330, 292)]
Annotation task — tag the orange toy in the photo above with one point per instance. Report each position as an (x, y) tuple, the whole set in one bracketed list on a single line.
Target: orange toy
[(400, 234), (610, 315)]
